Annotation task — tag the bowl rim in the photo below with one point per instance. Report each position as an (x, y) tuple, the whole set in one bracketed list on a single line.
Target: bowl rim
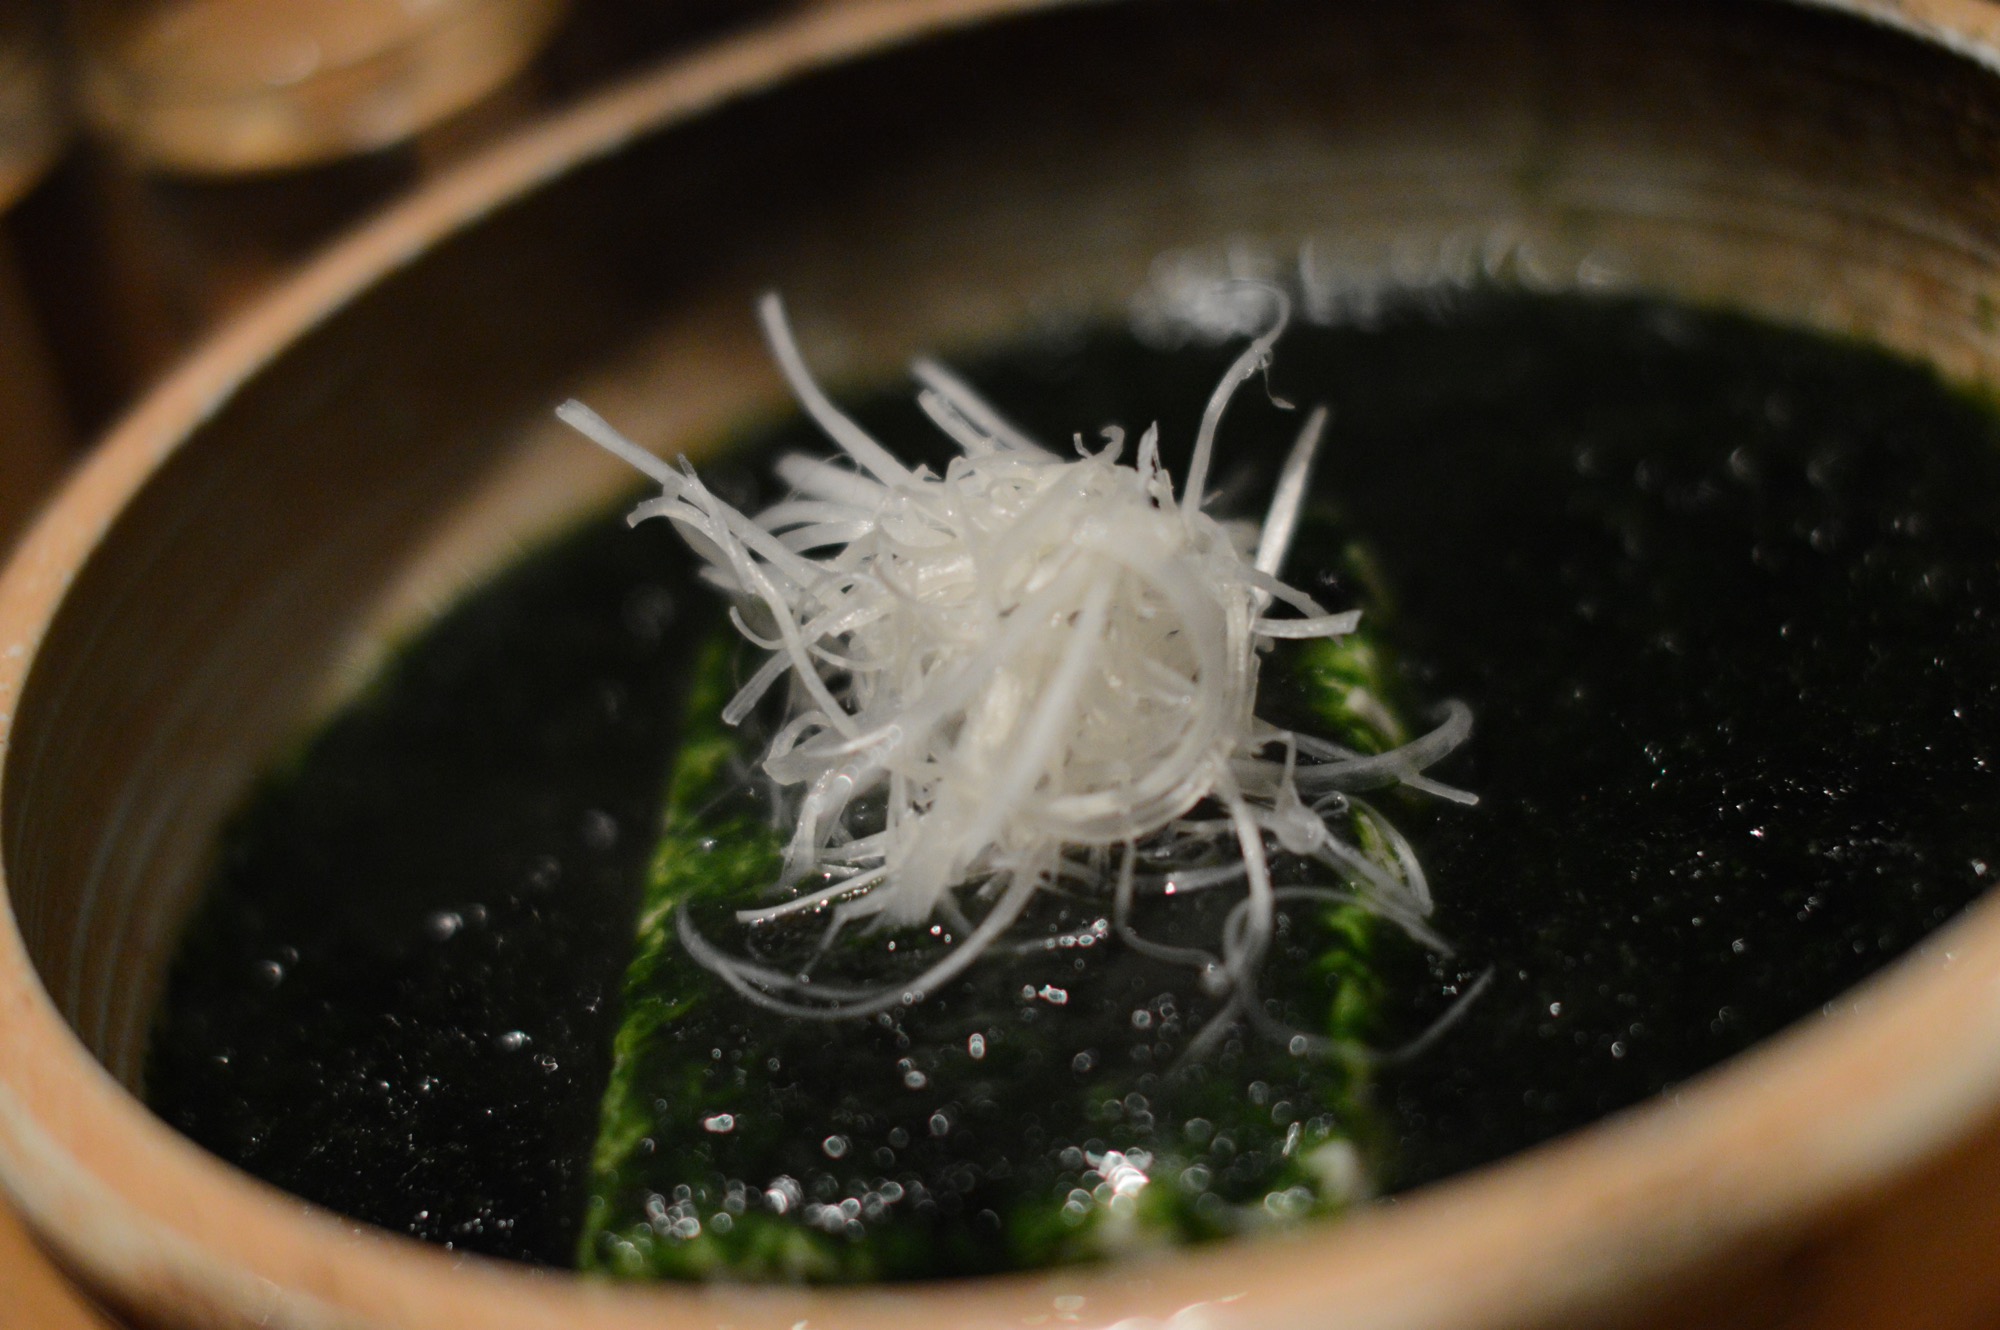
[(1911, 1057)]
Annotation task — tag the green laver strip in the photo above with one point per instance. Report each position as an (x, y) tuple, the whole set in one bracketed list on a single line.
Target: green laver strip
[(1030, 1114)]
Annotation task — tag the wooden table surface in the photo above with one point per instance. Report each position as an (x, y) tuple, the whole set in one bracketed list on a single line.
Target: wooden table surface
[(33, 1295)]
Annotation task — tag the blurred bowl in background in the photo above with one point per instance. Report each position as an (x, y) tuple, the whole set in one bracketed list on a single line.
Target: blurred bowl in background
[(227, 86)]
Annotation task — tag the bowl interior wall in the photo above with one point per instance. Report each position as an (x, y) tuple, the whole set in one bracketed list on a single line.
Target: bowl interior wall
[(1067, 164)]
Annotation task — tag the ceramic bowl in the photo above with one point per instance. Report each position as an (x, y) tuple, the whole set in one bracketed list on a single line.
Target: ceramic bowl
[(932, 174)]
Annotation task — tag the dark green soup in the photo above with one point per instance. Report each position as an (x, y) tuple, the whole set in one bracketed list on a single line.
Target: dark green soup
[(1724, 599)]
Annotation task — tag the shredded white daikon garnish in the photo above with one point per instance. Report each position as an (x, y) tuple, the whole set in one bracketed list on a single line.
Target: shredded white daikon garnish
[(1025, 665)]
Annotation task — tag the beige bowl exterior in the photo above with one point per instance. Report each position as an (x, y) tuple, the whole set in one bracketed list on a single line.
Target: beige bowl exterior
[(919, 173)]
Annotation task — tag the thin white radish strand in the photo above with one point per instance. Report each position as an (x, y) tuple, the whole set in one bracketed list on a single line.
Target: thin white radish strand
[(1001, 676)]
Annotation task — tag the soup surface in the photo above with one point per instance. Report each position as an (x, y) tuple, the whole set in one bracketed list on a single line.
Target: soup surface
[(1724, 599)]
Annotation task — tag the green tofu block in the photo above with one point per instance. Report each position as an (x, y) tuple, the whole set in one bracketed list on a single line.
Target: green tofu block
[(1032, 1112)]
